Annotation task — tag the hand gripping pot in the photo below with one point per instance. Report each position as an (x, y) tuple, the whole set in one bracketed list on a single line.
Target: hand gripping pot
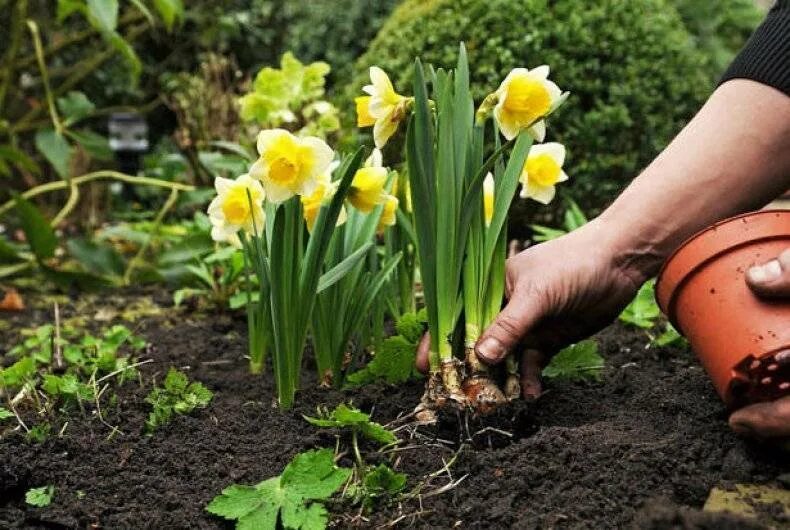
[(702, 289)]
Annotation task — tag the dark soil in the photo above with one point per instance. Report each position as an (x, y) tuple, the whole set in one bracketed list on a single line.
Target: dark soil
[(641, 449)]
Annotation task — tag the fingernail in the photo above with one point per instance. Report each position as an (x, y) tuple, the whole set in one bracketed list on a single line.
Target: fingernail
[(756, 274), (773, 270), (490, 349), (782, 357)]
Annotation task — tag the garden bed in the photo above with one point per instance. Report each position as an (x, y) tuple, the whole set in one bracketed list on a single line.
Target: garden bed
[(642, 448)]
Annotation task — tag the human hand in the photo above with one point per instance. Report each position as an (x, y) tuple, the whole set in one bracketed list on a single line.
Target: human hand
[(558, 293), (770, 419)]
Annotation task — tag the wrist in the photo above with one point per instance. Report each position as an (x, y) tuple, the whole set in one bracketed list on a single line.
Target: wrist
[(633, 251)]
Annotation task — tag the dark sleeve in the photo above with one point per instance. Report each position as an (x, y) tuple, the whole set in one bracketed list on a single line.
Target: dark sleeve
[(766, 56)]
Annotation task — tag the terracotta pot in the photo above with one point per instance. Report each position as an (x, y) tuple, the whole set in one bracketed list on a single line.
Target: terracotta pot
[(702, 290)]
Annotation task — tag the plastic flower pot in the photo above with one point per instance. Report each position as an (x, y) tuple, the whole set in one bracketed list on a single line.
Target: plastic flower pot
[(702, 290)]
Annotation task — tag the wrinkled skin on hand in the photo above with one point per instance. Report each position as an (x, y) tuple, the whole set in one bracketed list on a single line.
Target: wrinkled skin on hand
[(567, 289)]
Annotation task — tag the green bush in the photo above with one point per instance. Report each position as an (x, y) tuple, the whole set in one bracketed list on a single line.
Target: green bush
[(334, 31), (634, 73), (719, 27)]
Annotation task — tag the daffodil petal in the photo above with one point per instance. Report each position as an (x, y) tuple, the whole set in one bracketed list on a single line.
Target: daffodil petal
[(268, 136), (537, 131), (541, 194)]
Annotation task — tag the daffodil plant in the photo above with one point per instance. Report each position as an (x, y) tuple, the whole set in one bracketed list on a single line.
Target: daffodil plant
[(461, 198), (342, 309), (264, 212)]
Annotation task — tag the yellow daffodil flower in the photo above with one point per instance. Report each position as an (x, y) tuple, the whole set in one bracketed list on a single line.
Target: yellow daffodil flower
[(384, 108), (364, 119), (367, 188), (237, 206), (324, 191), (542, 171), (388, 214), (523, 99), (488, 198), (289, 165)]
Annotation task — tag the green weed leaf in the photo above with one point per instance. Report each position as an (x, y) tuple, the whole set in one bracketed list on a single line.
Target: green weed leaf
[(176, 396), (40, 497), (345, 416), (56, 149), (5, 414), (643, 311), (577, 362), (310, 476), (75, 106), (171, 11)]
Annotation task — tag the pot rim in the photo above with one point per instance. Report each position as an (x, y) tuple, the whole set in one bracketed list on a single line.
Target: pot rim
[(667, 287)]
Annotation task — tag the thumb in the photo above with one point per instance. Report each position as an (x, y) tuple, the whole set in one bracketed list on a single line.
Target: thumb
[(771, 279), (510, 326)]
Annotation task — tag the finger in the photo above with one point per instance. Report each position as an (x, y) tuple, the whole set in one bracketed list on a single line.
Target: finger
[(421, 362), (771, 279), (513, 322), (531, 367), (763, 420)]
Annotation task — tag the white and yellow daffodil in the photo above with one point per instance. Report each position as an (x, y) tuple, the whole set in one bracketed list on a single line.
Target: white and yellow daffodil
[(383, 107), (488, 198), (388, 213), (542, 171), (237, 206), (367, 188), (289, 165), (323, 193), (523, 99)]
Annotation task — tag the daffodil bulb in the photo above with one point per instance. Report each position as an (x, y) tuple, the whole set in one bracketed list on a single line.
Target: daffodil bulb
[(382, 107), (237, 206), (524, 98), (323, 193), (542, 171), (388, 213), (289, 165), (488, 198)]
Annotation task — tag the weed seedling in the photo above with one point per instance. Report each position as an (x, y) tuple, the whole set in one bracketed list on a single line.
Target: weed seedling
[(369, 484), (293, 498), (577, 362), (394, 360), (40, 497), (176, 396)]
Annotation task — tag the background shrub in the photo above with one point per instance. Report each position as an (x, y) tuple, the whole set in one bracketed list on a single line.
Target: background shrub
[(633, 69)]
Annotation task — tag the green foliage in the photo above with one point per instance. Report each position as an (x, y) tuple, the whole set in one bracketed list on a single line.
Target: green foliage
[(577, 362), (719, 28), (335, 31), (40, 497), (39, 433), (633, 70), (290, 498), (573, 218), (345, 416), (378, 483), (393, 362), (5, 414), (643, 311), (669, 337), (40, 236), (176, 396), (291, 97)]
